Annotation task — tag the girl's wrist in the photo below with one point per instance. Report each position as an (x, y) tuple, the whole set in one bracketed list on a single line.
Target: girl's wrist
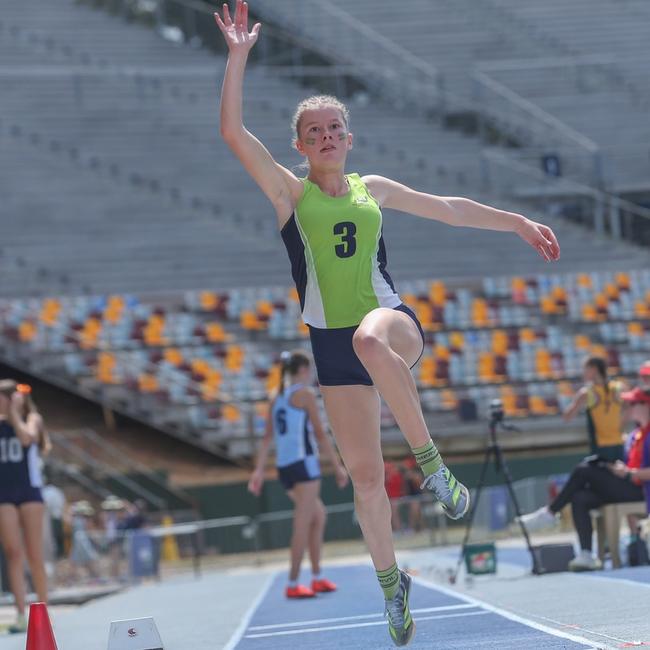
[(519, 223)]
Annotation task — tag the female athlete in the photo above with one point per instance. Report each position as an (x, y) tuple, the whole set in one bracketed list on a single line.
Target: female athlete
[(364, 340), (292, 421)]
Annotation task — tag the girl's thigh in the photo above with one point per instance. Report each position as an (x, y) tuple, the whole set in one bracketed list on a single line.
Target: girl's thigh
[(354, 413)]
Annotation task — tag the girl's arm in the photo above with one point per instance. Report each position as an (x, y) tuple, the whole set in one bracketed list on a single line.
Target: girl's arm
[(456, 211), (576, 405), (305, 399), (27, 431), (256, 480), (280, 186)]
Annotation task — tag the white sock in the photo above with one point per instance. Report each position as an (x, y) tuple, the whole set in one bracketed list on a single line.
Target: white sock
[(585, 556), (293, 584)]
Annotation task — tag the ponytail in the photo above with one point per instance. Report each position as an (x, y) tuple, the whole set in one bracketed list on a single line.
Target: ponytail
[(290, 364), (8, 387)]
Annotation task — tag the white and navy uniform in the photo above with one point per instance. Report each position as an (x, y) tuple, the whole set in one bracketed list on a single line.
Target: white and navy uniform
[(296, 449), (20, 472)]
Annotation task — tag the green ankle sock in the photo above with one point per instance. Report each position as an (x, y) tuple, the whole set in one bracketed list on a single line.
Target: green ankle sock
[(428, 458), (389, 581)]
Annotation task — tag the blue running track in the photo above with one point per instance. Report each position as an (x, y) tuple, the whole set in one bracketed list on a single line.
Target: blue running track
[(352, 618)]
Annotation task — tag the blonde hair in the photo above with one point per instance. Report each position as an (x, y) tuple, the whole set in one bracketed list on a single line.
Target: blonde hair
[(313, 102)]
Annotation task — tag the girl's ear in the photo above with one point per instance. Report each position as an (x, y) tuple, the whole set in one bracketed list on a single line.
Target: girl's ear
[(299, 148)]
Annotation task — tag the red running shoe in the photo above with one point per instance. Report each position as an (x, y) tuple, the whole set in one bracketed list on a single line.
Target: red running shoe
[(322, 586), (300, 591)]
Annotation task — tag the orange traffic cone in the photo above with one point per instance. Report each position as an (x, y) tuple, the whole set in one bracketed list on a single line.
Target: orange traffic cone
[(39, 629)]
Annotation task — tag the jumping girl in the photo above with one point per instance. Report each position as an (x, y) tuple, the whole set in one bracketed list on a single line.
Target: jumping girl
[(22, 438), (364, 340), (292, 422)]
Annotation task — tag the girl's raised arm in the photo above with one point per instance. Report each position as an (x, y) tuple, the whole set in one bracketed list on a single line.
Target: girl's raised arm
[(277, 182)]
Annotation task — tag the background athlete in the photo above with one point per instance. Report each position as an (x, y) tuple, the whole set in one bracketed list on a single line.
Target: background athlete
[(22, 440), (294, 424), (363, 338)]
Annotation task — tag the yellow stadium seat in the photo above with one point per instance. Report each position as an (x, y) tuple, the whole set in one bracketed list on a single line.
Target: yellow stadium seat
[(635, 329), (500, 342), (456, 340), (589, 313), (303, 330), (527, 335), (234, 358), (480, 313), (641, 310), (264, 307), (105, 368), (293, 295), (623, 281), (582, 341), (611, 291), (27, 331), (548, 305), (584, 280), (200, 366), (215, 333), (173, 356), (89, 334), (449, 399), (50, 310), (148, 383), (273, 380), (437, 293), (250, 322), (231, 413), (208, 300)]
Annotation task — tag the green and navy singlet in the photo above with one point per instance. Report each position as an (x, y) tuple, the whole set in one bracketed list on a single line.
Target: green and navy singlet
[(338, 257)]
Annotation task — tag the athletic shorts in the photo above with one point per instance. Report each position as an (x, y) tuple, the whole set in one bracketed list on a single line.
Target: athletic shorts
[(17, 495), (299, 472), (337, 364)]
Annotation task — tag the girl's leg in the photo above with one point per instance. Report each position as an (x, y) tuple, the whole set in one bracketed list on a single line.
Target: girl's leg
[(316, 536), (10, 536), (388, 343), (304, 496), (31, 517), (354, 415)]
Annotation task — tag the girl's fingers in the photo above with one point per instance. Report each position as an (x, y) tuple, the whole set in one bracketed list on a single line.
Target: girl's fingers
[(256, 29), (244, 19), (238, 13), (220, 24), (226, 15)]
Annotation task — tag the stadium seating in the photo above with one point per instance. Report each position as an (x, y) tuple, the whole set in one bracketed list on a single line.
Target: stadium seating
[(200, 363)]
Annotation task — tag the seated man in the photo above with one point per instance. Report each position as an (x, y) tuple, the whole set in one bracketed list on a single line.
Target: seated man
[(596, 482)]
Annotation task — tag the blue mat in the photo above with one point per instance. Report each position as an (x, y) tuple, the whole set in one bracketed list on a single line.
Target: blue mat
[(352, 618)]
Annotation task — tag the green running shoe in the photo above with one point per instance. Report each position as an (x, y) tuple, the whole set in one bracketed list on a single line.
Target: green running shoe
[(453, 495), (400, 624)]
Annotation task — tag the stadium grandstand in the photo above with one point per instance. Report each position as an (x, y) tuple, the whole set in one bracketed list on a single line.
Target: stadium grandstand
[(145, 289)]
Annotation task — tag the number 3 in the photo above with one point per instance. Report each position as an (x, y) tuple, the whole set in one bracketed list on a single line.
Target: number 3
[(347, 230)]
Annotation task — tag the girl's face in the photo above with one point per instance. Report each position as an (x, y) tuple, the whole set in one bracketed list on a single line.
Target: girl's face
[(590, 374), (324, 138)]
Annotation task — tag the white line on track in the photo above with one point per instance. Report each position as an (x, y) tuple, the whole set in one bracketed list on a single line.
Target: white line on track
[(239, 632), (513, 617), (358, 625), (320, 621)]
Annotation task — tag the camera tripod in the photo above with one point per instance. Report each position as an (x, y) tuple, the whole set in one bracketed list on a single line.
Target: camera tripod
[(494, 450)]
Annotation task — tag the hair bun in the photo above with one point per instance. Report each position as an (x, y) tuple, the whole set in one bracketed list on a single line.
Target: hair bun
[(25, 389)]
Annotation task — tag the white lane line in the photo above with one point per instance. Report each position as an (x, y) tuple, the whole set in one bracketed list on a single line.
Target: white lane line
[(358, 625), (513, 617), (239, 632), (319, 621)]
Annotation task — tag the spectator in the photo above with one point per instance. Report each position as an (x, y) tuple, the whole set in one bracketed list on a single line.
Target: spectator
[(83, 553), (394, 482), (593, 484), (601, 397), (55, 503), (644, 374), (22, 439), (113, 511)]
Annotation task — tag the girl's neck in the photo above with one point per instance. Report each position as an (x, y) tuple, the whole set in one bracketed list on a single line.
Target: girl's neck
[(332, 183)]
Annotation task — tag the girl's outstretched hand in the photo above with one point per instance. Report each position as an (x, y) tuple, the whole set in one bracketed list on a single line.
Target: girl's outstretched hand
[(238, 38), (541, 238)]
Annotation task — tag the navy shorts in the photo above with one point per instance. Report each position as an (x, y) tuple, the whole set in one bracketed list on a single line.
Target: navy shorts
[(337, 364), (299, 472), (17, 495)]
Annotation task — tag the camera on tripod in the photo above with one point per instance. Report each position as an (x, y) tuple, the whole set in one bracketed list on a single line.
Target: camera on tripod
[(496, 411)]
